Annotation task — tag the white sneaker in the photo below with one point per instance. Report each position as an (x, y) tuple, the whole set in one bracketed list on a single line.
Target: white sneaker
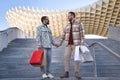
[(50, 76), (44, 76)]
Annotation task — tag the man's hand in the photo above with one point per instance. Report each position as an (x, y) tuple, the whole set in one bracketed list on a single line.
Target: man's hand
[(81, 43), (57, 45), (39, 47)]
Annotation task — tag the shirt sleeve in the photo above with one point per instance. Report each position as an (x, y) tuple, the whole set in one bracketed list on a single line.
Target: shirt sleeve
[(53, 41), (63, 36), (38, 35), (82, 32)]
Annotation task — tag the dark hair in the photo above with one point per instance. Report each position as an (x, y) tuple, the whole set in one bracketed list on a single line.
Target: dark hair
[(43, 18), (72, 13)]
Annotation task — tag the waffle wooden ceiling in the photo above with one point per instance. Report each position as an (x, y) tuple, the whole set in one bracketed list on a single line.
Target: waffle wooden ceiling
[(96, 18)]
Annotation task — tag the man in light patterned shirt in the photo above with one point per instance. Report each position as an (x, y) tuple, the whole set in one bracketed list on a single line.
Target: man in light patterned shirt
[(45, 42)]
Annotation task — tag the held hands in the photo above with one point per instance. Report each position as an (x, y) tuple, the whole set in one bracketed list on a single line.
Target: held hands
[(57, 45)]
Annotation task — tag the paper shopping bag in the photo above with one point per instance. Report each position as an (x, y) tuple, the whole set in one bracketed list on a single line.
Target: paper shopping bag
[(85, 54), (37, 58), (77, 56)]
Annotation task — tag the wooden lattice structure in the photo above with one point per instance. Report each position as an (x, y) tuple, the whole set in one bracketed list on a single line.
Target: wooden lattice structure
[(96, 18)]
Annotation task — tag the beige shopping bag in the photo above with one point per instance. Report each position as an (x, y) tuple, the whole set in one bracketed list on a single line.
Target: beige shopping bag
[(44, 62)]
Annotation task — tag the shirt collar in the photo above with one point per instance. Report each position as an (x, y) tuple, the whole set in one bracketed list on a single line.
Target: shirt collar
[(44, 25)]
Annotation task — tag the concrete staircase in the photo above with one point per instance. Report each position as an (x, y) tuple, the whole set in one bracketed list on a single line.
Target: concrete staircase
[(14, 62)]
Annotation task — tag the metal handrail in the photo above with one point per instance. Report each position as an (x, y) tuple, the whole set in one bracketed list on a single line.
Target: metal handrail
[(105, 47), (108, 49)]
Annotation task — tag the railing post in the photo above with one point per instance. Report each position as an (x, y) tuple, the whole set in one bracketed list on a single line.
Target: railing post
[(93, 52), (94, 62)]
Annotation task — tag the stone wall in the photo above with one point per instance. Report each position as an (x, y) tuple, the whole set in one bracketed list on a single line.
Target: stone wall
[(8, 35), (114, 33)]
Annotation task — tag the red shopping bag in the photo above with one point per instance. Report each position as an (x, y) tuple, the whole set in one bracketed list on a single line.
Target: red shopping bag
[(37, 57)]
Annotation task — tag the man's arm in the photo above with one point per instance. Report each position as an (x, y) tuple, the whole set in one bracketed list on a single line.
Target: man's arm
[(38, 37), (63, 36), (53, 42), (82, 33)]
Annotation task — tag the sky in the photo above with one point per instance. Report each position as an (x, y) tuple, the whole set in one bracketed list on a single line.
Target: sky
[(5, 5)]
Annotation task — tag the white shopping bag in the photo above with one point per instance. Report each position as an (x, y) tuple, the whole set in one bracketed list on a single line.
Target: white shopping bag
[(84, 49), (82, 53), (85, 54), (77, 54)]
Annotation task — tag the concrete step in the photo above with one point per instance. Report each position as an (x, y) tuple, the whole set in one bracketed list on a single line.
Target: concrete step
[(71, 78), (14, 62)]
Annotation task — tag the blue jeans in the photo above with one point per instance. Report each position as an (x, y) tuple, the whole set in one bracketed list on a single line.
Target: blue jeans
[(46, 69)]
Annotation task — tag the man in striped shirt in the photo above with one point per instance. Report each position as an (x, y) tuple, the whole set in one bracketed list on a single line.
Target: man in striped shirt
[(73, 34)]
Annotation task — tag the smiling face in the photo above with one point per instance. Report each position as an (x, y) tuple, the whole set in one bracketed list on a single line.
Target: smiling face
[(70, 16), (46, 21)]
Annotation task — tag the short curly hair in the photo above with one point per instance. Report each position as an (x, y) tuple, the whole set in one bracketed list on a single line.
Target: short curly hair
[(73, 13), (43, 18)]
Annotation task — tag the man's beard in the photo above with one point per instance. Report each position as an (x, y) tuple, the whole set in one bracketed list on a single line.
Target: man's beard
[(70, 19), (47, 23)]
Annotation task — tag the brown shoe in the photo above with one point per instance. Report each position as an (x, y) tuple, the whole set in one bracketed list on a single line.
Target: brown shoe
[(77, 76), (66, 75)]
